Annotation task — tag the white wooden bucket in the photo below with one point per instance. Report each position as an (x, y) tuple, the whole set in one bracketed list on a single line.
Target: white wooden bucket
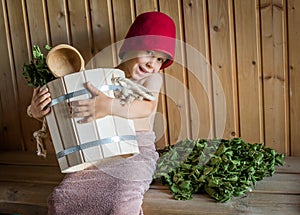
[(79, 146)]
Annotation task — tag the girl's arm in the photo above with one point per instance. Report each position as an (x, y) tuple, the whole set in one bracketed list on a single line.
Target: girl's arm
[(101, 105)]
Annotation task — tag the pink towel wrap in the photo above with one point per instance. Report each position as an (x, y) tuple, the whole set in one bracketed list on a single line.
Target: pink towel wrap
[(114, 187)]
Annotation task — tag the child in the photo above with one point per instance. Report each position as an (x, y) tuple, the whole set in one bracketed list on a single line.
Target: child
[(117, 187)]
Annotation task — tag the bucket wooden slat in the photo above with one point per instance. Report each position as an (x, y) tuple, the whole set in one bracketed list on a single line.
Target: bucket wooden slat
[(61, 114), (85, 132)]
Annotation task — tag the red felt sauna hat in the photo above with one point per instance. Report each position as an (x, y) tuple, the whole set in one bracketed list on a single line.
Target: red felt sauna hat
[(153, 31)]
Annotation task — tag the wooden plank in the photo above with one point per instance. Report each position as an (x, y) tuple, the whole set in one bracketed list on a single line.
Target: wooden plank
[(142, 6), (24, 198), (292, 165), (26, 158), (285, 58), (58, 22), (274, 70), (10, 130), (62, 131), (249, 82), (222, 58), (30, 174), (232, 39), (80, 27), (24, 209), (102, 37), (22, 193), (198, 65), (37, 28), (294, 71), (262, 203), (176, 78), (161, 202), (124, 14), (279, 184), (22, 93)]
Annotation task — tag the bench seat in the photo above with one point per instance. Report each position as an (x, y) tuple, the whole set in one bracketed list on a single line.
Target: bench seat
[(27, 180)]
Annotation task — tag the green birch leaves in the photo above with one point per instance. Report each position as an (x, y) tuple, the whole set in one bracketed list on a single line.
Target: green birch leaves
[(37, 72), (221, 168)]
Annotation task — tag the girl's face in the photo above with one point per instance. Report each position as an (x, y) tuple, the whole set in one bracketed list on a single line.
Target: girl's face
[(141, 64)]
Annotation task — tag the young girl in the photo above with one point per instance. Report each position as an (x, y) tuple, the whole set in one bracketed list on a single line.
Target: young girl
[(117, 187)]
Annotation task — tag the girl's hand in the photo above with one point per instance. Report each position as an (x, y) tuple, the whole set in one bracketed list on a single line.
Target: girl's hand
[(90, 109), (39, 102)]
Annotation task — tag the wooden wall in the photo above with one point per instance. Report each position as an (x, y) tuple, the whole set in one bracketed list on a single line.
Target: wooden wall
[(237, 69)]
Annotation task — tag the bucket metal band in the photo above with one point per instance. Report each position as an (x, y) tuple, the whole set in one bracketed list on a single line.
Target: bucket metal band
[(83, 146), (82, 92)]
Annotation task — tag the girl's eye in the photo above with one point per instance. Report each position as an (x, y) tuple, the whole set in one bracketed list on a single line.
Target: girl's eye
[(149, 52), (160, 60)]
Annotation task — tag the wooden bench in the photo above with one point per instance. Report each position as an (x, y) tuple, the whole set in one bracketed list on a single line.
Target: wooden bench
[(27, 180)]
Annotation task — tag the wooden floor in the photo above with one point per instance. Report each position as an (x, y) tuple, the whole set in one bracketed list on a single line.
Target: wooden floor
[(26, 181)]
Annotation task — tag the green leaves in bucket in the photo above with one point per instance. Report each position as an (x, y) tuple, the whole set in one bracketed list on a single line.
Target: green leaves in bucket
[(37, 72)]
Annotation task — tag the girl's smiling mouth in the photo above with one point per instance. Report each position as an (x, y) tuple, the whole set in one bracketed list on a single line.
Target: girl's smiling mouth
[(142, 70)]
